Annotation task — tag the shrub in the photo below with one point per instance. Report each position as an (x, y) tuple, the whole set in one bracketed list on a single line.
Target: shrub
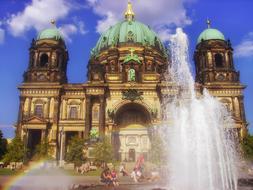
[(75, 153)]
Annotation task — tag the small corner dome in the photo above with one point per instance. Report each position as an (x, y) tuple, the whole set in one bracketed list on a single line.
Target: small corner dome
[(50, 33), (210, 34)]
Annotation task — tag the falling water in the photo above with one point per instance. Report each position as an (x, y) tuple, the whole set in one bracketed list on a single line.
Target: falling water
[(200, 151)]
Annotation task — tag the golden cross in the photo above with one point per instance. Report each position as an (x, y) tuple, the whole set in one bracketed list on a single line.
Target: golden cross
[(129, 14)]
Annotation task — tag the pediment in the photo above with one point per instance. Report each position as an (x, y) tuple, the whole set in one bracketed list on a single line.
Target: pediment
[(36, 119)]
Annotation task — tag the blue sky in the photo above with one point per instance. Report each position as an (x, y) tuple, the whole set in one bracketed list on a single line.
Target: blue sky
[(81, 21)]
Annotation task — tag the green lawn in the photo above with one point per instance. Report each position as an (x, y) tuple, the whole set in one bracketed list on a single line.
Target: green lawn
[(5, 171), (8, 172)]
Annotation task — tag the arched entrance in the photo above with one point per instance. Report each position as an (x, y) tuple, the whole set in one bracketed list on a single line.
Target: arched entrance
[(131, 135)]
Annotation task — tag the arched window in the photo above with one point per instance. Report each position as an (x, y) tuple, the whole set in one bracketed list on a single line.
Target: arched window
[(43, 60), (218, 60), (38, 110), (73, 112)]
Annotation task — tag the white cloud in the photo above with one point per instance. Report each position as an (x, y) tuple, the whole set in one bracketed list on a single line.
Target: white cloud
[(106, 22), (164, 34), (158, 13), (67, 30), (2, 35), (38, 14), (82, 27), (245, 48)]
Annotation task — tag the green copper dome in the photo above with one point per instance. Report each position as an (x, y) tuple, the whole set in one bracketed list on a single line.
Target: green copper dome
[(50, 33), (128, 31), (211, 34)]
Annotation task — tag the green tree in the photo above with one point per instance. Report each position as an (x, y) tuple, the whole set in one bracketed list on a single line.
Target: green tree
[(3, 145), (157, 154), (43, 151), (103, 151), (16, 151), (247, 146), (75, 152)]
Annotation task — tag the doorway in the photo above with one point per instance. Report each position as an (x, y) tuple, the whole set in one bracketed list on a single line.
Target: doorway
[(131, 155), (34, 139)]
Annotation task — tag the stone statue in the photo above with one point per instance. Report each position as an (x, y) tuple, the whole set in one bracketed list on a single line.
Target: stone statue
[(131, 75)]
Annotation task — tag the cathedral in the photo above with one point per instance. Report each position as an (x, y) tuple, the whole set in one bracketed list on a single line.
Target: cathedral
[(123, 96)]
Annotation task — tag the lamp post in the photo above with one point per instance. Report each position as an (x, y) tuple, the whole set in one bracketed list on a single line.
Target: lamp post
[(154, 130), (61, 147)]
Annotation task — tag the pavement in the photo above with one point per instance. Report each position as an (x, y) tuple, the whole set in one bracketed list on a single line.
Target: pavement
[(75, 182), (89, 183), (63, 182)]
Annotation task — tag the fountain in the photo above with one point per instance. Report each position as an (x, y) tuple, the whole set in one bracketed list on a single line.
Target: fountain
[(199, 145)]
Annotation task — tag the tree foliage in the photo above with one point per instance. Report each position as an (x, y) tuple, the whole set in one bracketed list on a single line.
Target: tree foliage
[(103, 151), (247, 146), (75, 152), (157, 154), (3, 145), (16, 151), (43, 151)]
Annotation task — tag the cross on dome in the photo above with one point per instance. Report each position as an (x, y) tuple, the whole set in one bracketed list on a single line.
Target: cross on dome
[(53, 22), (208, 22)]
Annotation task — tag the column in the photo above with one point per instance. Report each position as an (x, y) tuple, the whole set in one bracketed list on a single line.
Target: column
[(43, 135), (87, 116), (21, 108), (102, 116), (242, 110), (20, 114), (29, 106), (48, 107), (64, 144), (63, 108), (81, 109), (237, 107), (62, 147), (56, 110)]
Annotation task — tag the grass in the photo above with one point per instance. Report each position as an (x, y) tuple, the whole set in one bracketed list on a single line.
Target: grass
[(8, 172)]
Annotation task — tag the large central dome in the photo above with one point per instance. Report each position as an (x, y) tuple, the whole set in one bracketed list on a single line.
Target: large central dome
[(129, 32)]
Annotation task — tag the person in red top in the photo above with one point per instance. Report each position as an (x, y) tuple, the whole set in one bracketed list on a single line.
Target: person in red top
[(140, 162), (114, 178)]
